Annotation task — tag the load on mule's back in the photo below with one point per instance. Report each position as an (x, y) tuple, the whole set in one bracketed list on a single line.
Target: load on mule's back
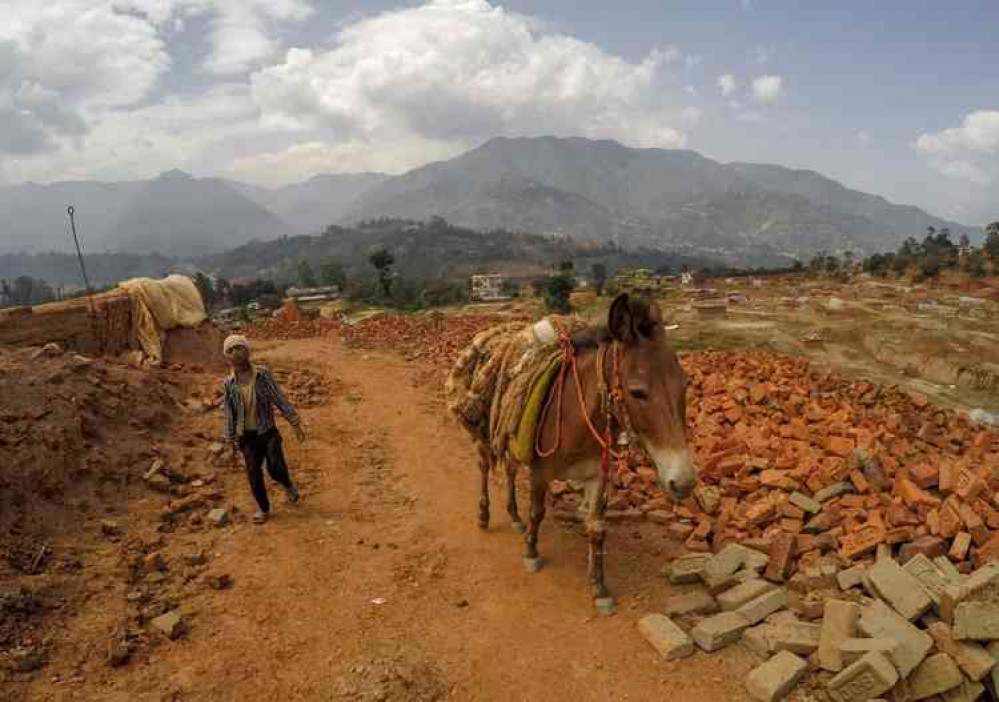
[(561, 399)]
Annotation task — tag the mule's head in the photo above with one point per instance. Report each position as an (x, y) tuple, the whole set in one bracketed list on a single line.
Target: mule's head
[(654, 390)]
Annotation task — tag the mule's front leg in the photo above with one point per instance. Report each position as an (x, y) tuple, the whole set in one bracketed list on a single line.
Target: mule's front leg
[(539, 490), (596, 528), (511, 496)]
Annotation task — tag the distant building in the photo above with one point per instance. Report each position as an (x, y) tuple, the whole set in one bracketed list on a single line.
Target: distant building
[(329, 292), (486, 288)]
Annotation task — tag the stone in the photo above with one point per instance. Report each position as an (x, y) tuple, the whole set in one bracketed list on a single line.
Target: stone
[(154, 562), (993, 648), (690, 603), (744, 592), (218, 517), (197, 558), (851, 577), (755, 611), (899, 588), (935, 675), (665, 636), (804, 502), (708, 497), (170, 624), (797, 637), (728, 561), (219, 582), (839, 622), (968, 691), (159, 483), (834, 490), (852, 650), (878, 620), (718, 631), (976, 620), (972, 658), (687, 569), (119, 652), (871, 676), (775, 679), (929, 576)]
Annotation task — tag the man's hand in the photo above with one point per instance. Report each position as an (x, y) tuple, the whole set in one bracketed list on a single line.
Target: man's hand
[(300, 434)]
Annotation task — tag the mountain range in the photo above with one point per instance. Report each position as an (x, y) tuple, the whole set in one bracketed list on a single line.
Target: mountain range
[(594, 190)]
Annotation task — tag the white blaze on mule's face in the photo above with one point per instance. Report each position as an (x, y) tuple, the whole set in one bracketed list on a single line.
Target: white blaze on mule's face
[(677, 474)]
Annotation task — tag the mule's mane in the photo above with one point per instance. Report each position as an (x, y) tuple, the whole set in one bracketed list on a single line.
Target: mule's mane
[(591, 337)]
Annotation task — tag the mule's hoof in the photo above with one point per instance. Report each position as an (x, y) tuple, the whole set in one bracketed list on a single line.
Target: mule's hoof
[(484, 525), (518, 528), (606, 606), (532, 565)]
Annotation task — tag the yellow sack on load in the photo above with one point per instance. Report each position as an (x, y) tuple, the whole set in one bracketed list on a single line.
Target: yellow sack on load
[(161, 305), (522, 446)]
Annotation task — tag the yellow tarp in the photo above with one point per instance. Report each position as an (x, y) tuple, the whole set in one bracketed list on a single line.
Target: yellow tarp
[(522, 446), (161, 305)]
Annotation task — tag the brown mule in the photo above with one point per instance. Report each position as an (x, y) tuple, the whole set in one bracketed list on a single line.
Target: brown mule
[(626, 381)]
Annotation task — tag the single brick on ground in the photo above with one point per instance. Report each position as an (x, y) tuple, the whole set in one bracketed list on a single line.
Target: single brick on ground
[(796, 637), (739, 595), (968, 691), (687, 569), (871, 676), (776, 678), (852, 650), (690, 603), (755, 611), (899, 588), (851, 577), (935, 675), (718, 631), (665, 636), (839, 622)]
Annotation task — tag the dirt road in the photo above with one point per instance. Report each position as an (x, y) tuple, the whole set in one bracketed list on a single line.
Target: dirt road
[(388, 516)]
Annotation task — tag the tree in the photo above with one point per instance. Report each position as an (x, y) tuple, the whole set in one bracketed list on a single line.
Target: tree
[(976, 264), (331, 272), (555, 290), (383, 260), (599, 271), (991, 246), (566, 266), (306, 278)]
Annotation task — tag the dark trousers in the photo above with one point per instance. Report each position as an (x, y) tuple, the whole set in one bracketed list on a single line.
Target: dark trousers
[(258, 449)]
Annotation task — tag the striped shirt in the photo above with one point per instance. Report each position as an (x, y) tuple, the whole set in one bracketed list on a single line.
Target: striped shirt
[(268, 396)]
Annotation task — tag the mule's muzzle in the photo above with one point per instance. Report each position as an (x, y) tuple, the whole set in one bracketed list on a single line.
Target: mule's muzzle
[(677, 474)]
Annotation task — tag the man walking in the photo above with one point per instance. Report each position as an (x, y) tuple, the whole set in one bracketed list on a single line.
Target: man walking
[(250, 394)]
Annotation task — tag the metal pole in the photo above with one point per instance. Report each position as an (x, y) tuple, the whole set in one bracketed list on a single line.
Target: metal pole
[(86, 281), (79, 253)]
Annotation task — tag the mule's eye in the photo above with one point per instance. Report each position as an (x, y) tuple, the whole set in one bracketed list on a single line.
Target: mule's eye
[(639, 393)]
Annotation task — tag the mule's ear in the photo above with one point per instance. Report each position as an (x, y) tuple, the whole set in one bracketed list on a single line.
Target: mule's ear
[(620, 321)]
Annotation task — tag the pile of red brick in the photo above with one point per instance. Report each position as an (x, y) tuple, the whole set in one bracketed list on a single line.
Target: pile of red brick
[(793, 459), (803, 462)]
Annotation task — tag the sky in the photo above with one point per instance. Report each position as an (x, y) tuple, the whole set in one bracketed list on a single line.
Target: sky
[(898, 97)]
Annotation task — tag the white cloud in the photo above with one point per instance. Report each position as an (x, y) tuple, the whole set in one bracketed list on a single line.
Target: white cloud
[(763, 54), (240, 31), (864, 137), (727, 84), (464, 70), (691, 115), (768, 89), (968, 152)]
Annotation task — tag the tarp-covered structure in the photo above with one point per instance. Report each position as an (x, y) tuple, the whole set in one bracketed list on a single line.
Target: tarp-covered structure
[(159, 306)]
